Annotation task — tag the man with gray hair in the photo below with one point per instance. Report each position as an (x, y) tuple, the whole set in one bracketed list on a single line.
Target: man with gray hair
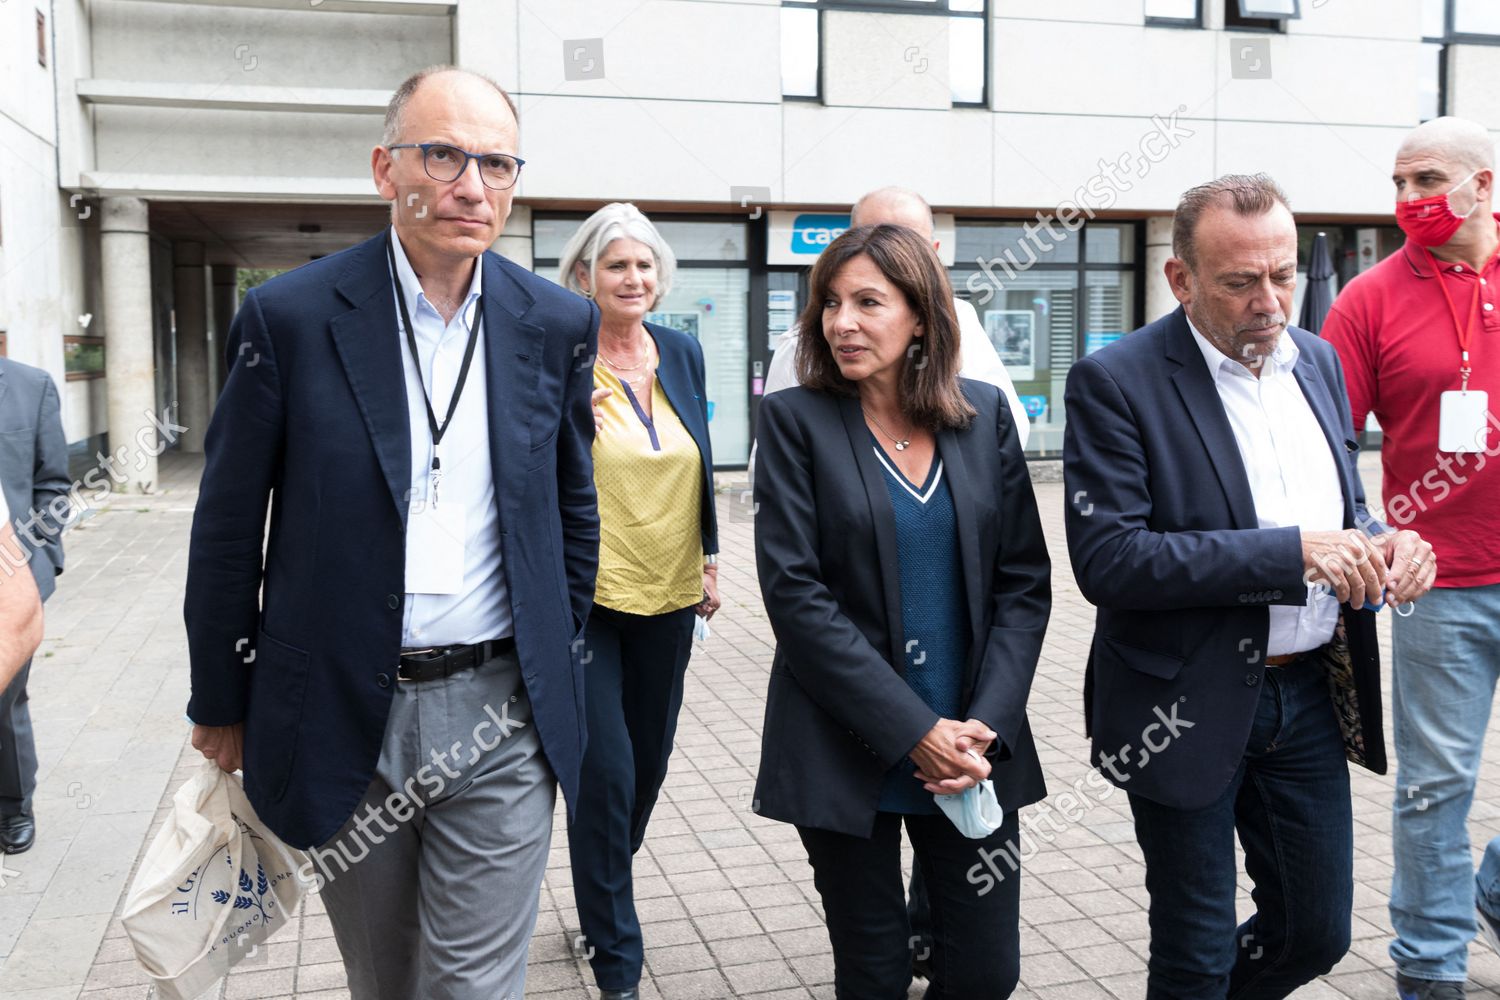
[(1417, 334), (1218, 523), (894, 206), (396, 671)]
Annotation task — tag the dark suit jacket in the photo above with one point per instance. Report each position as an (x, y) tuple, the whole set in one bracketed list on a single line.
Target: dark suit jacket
[(34, 466), (680, 372), (1163, 538), (840, 713), (302, 647)]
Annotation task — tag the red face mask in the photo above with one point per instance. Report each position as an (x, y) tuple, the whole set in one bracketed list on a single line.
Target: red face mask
[(1432, 221)]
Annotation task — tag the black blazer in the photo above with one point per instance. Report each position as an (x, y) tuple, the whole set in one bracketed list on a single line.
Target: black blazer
[(680, 372), (302, 646), (1164, 541), (839, 713)]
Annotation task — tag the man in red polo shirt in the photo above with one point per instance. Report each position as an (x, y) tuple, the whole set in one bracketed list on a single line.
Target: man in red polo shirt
[(1419, 338)]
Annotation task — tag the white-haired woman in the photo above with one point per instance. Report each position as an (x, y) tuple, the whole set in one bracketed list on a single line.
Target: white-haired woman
[(657, 554)]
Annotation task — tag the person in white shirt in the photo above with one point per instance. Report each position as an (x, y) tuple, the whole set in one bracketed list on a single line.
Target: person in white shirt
[(899, 207), (20, 604)]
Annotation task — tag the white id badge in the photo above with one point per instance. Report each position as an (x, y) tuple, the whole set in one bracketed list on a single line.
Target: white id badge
[(435, 548), (1463, 425)]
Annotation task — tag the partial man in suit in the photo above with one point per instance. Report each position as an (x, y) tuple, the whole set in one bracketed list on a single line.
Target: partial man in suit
[(20, 606), (396, 672), (1218, 522), (34, 474)]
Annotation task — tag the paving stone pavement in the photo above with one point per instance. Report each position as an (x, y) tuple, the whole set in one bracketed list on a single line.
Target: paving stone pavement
[(726, 898)]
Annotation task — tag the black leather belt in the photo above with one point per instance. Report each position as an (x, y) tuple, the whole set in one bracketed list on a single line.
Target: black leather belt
[(1291, 659), (437, 662)]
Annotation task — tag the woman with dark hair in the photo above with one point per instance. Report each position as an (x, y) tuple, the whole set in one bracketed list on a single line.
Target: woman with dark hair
[(906, 577)]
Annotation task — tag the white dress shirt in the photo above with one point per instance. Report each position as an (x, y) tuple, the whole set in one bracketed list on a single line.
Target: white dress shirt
[(481, 610), (977, 360), (1291, 470)]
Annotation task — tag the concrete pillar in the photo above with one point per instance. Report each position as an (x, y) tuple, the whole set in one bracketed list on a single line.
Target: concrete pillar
[(1159, 297), (125, 266), (226, 302), (190, 304)]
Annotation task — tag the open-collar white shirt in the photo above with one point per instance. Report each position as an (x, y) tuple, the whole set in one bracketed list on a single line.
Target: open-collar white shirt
[(1291, 470), (481, 610)]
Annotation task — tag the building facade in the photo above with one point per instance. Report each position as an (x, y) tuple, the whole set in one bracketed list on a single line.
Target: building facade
[(153, 150)]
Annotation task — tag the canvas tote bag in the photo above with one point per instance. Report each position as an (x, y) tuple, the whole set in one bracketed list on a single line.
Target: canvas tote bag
[(213, 886)]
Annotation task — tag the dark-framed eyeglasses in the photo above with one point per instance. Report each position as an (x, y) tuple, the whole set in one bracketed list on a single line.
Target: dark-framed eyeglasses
[(445, 164)]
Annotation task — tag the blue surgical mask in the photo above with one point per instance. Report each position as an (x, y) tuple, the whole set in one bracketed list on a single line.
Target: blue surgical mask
[(975, 811)]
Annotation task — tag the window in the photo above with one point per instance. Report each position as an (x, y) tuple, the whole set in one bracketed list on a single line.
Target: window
[(801, 52), (83, 357), (1046, 300), (968, 43), (1260, 15), (1184, 13), (41, 38), (1271, 9), (1432, 85), (1476, 17)]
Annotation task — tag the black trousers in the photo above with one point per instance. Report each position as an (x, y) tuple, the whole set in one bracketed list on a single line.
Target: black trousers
[(976, 938), (634, 667), (17, 747)]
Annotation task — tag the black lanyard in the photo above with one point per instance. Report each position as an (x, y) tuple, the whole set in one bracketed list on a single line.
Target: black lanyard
[(438, 430)]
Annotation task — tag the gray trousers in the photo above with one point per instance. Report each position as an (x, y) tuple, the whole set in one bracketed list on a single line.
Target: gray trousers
[(17, 748), (433, 884)]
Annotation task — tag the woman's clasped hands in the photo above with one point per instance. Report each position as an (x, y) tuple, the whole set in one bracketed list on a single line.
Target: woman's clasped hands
[(950, 758)]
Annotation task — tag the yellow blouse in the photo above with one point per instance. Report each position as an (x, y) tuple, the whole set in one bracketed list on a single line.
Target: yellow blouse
[(650, 484)]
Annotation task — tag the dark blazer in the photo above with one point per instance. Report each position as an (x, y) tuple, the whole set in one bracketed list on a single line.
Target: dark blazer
[(1163, 538), (839, 713), (34, 466), (680, 371), (313, 420)]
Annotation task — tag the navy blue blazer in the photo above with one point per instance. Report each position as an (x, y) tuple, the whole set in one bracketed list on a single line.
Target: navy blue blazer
[(1164, 541), (839, 712), (303, 646), (680, 370)]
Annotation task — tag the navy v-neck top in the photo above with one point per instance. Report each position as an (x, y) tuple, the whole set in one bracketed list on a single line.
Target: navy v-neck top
[(934, 614)]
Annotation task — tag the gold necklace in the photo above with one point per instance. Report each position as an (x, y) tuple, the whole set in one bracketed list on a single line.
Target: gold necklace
[(632, 382)]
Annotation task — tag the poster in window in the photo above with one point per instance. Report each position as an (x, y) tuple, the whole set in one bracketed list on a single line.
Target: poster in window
[(687, 322), (1013, 332)]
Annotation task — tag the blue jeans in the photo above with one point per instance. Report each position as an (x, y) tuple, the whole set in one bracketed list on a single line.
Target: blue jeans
[(1447, 658), (1289, 803)]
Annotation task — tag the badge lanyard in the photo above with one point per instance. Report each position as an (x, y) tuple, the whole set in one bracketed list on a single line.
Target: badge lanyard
[(437, 429), (1464, 329)]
